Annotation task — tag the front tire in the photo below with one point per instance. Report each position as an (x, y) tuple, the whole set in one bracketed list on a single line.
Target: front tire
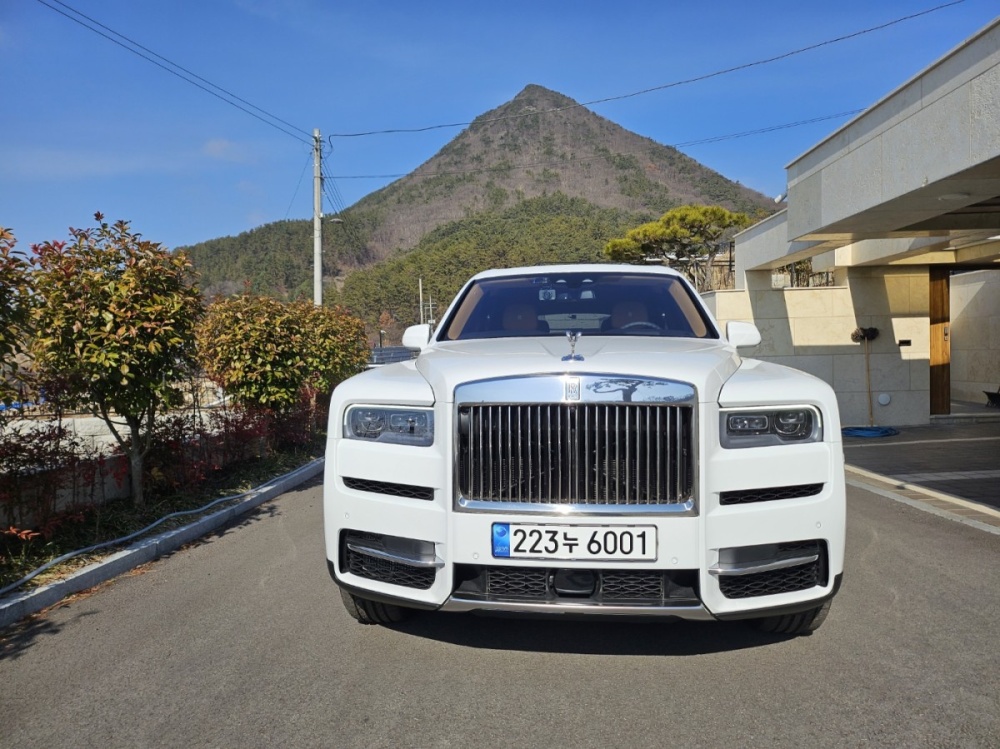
[(372, 612), (803, 623)]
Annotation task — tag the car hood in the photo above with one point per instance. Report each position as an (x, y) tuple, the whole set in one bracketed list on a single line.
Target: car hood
[(706, 364)]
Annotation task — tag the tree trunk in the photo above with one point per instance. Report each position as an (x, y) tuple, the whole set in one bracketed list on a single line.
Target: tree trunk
[(312, 413), (136, 455)]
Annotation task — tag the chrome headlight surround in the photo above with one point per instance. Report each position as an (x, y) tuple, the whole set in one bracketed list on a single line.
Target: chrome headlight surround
[(390, 424), (764, 426)]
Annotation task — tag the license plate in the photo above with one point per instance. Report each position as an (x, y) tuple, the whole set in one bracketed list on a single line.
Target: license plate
[(574, 542)]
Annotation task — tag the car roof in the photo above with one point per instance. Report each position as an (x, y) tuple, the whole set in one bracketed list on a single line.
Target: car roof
[(659, 270)]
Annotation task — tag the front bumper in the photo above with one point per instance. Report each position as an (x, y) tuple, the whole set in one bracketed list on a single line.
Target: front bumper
[(688, 611), (689, 579)]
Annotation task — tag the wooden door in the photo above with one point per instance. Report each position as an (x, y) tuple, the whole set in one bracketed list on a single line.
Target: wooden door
[(940, 315)]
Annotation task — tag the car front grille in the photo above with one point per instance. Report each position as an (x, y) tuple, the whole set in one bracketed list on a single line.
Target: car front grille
[(627, 586), (588, 454), (516, 582), (538, 584)]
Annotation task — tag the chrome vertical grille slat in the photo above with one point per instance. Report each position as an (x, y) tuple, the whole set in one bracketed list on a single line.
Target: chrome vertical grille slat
[(588, 454), (629, 440)]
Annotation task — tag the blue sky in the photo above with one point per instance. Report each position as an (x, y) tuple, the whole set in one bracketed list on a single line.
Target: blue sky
[(88, 126)]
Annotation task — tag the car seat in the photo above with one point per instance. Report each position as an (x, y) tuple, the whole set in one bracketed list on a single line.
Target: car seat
[(522, 318), (627, 312)]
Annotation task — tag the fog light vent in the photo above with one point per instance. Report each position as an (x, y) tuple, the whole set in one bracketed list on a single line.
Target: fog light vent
[(770, 569), (769, 494), (389, 559)]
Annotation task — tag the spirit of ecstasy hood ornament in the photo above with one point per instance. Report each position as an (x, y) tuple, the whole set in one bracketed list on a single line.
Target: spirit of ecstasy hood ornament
[(572, 338)]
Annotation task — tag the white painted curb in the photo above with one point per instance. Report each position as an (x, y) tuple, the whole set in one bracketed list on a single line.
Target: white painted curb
[(17, 606), (966, 503)]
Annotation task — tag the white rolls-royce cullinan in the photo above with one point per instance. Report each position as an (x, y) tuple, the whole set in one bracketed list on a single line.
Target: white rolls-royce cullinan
[(584, 440)]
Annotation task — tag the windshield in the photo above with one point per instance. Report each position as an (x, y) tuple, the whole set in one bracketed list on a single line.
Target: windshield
[(606, 304)]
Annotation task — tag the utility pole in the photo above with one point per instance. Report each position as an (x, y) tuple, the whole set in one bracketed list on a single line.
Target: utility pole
[(317, 219), (426, 308)]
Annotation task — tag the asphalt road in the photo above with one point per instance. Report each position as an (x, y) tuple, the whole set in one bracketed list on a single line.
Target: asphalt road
[(241, 641)]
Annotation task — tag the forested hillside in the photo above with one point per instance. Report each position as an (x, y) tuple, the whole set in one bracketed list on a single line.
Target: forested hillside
[(544, 230), (538, 144), (271, 259)]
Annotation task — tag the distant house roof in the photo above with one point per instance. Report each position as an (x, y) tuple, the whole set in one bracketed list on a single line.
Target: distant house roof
[(390, 354)]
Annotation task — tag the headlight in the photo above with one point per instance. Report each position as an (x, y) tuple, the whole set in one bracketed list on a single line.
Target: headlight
[(401, 426), (760, 427)]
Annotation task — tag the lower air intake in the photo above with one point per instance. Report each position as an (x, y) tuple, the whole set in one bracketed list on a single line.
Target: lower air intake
[(383, 570), (788, 580), (541, 585)]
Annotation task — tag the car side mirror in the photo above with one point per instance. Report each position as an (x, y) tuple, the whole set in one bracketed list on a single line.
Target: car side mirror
[(742, 334), (417, 337)]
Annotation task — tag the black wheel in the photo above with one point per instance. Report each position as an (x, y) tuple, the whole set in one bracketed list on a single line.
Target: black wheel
[(373, 612), (803, 623)]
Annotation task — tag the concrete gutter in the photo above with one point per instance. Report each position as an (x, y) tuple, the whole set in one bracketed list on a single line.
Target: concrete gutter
[(19, 605), (943, 505)]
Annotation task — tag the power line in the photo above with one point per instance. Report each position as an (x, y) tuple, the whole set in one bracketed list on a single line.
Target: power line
[(298, 185), (663, 87), (332, 193), (542, 164), (347, 220), (770, 129), (783, 56), (185, 74)]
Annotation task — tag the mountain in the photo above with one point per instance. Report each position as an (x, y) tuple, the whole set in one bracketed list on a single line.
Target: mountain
[(538, 144)]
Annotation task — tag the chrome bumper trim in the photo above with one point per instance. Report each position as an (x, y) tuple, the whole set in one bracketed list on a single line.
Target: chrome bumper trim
[(413, 561), (574, 510), (696, 613), (755, 567)]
